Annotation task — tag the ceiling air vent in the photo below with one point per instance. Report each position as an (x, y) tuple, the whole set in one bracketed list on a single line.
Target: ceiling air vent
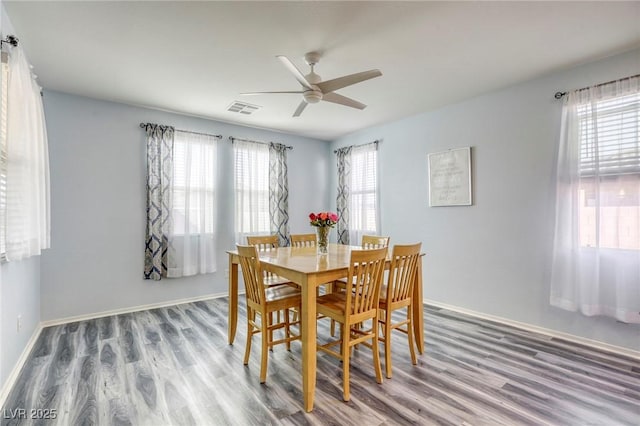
[(243, 108)]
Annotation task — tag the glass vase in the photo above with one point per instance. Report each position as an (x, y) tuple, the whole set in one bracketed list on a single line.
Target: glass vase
[(323, 238)]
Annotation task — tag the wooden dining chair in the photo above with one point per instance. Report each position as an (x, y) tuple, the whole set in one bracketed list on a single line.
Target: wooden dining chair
[(303, 240), (263, 301), (396, 294), (367, 242), (353, 307), (308, 240), (268, 242)]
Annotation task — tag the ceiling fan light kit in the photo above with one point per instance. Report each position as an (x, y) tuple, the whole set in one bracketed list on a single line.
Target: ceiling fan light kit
[(315, 90)]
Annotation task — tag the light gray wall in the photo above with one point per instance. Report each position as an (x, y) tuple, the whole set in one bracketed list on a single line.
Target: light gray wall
[(98, 166), (19, 295), (19, 288), (492, 257)]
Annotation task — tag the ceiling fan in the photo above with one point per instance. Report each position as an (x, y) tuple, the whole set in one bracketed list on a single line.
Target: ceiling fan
[(315, 90)]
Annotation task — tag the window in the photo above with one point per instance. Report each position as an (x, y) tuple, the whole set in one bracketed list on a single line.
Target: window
[(194, 177), (24, 161), (596, 247), (609, 192), (363, 204), (363, 189), (181, 203), (252, 189), (357, 197)]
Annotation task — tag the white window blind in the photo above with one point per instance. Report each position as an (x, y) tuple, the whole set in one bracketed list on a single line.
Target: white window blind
[(609, 136), (194, 178), (609, 195), (364, 192), (251, 189)]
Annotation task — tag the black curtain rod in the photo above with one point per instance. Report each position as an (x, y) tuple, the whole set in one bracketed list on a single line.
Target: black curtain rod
[(143, 125), (231, 138), (559, 95), (377, 141)]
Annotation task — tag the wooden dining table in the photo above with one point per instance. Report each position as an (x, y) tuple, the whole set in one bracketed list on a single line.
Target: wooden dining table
[(305, 267)]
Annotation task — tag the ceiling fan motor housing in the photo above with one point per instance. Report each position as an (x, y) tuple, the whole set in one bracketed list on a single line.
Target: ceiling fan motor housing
[(312, 96)]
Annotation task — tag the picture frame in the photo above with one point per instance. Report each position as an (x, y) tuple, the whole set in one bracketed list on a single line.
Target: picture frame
[(450, 177)]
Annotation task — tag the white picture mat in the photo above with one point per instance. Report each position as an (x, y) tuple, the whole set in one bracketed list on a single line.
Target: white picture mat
[(450, 177)]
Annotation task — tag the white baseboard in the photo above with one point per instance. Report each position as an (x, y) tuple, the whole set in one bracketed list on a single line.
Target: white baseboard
[(541, 330), (15, 372), (60, 321)]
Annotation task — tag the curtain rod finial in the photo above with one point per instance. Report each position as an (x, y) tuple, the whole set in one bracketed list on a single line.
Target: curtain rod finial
[(559, 95), (11, 39)]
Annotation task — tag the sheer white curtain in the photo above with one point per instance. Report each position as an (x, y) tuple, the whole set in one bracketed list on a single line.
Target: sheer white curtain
[(363, 194), (596, 259), (26, 206), (192, 248), (252, 215)]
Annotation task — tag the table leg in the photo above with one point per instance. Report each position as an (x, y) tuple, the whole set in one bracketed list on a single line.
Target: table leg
[(308, 332), (418, 309), (233, 299)]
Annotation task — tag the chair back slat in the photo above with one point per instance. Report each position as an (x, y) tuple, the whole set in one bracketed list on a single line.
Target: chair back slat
[(252, 274), (303, 240), (374, 242), (404, 266), (264, 242), (366, 271)]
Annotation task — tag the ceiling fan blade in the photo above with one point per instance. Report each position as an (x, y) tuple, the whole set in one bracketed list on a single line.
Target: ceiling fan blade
[(340, 82), (267, 93), (295, 71), (300, 108), (343, 100)]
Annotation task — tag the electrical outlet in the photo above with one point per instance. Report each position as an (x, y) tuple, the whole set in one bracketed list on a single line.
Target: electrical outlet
[(226, 273), (19, 323)]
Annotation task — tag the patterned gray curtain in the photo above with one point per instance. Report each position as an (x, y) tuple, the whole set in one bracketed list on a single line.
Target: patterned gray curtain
[(342, 202), (159, 183), (279, 192)]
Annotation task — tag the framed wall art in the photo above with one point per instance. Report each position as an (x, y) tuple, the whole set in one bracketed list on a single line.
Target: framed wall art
[(450, 177)]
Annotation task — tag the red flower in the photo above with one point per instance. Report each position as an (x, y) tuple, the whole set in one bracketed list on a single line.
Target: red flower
[(323, 219)]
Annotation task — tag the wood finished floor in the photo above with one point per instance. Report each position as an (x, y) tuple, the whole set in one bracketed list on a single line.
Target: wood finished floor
[(173, 366)]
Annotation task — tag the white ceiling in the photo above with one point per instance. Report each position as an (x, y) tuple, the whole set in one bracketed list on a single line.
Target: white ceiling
[(196, 57)]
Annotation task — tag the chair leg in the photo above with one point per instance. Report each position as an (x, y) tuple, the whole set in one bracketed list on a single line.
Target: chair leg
[(333, 328), (287, 331), (346, 352), (387, 343), (410, 335), (266, 339), (376, 350), (271, 317), (247, 350)]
